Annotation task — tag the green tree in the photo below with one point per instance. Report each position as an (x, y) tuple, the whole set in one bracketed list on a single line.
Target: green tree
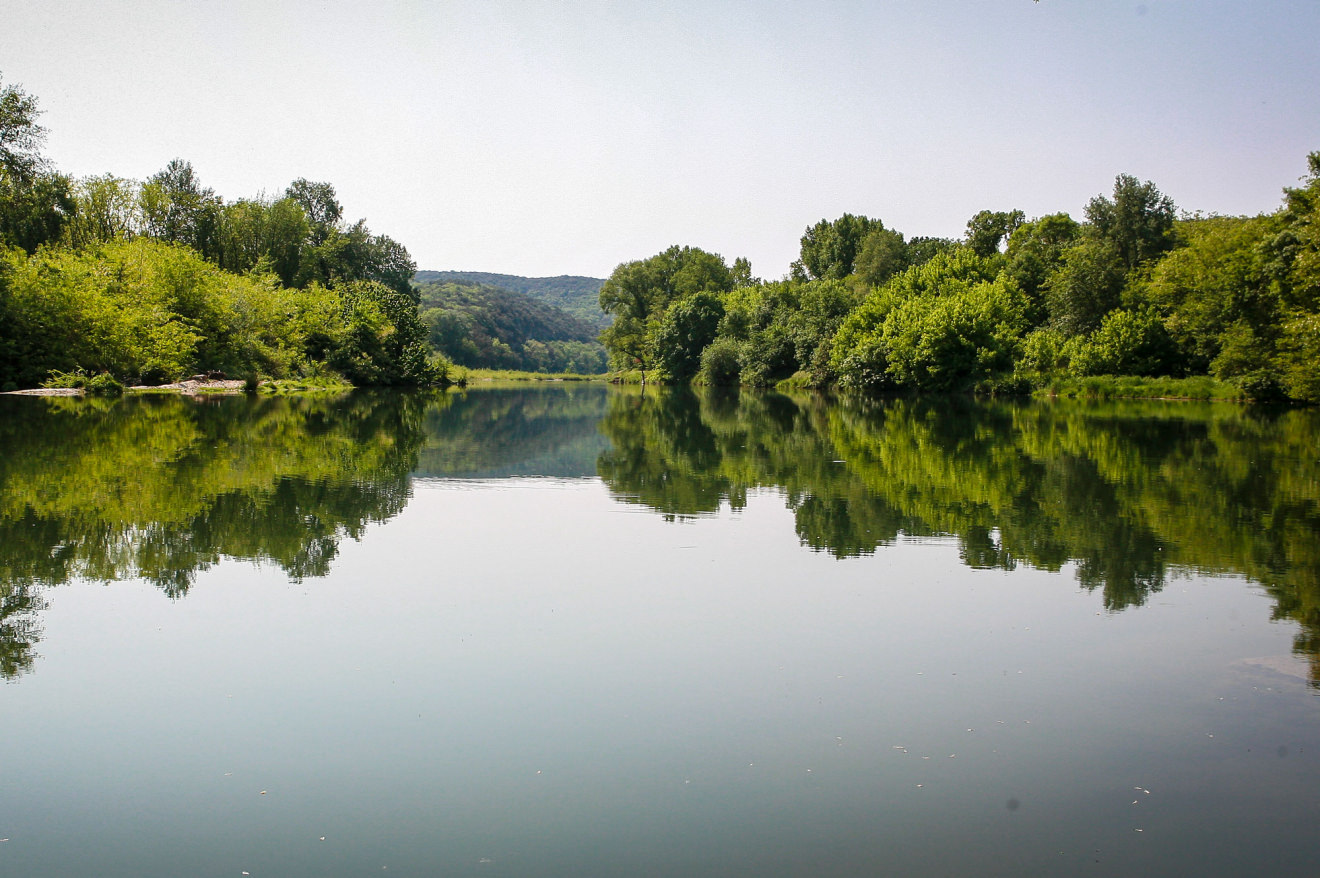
[(637, 294), (829, 248), (989, 228), (21, 138), (923, 249), (319, 204), (1219, 279), (1035, 250), (177, 208), (106, 208), (1086, 286), (1137, 223), (35, 202), (687, 327), (883, 254)]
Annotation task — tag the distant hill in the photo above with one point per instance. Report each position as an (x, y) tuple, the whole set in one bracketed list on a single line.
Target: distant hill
[(579, 296), (491, 327)]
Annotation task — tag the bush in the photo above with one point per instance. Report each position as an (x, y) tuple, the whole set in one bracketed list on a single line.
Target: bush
[(1127, 343), (721, 363), (103, 384)]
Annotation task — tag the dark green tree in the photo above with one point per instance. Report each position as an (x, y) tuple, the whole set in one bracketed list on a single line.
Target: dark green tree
[(989, 228), (1087, 286), (35, 202), (829, 248), (319, 203), (688, 326), (177, 208), (637, 294), (1137, 223), (883, 254)]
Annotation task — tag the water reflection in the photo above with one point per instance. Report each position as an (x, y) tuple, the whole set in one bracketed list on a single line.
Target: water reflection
[(515, 432), (161, 488), (1130, 493)]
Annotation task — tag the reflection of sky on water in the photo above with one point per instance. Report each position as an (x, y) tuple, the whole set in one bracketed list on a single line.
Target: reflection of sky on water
[(531, 674)]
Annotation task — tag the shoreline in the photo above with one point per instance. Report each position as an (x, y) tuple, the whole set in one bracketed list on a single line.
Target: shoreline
[(188, 387)]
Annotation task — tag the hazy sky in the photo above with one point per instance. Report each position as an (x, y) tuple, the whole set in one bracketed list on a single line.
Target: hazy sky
[(544, 138)]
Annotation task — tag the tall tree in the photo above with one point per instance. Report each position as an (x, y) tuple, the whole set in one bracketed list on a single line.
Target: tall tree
[(829, 249), (883, 254), (1137, 223), (318, 201), (35, 202), (637, 294), (107, 208), (989, 228), (21, 137), (176, 207)]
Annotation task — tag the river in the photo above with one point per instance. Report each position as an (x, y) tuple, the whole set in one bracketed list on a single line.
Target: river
[(586, 630)]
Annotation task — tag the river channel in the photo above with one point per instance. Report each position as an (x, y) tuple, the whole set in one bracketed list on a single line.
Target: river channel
[(587, 630)]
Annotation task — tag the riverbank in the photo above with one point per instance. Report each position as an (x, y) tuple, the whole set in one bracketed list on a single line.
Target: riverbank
[(190, 387)]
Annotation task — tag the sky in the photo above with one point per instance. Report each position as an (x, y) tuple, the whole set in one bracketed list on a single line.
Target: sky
[(543, 138)]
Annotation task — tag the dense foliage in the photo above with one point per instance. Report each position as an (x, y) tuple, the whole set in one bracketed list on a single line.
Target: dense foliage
[(151, 281), (493, 328), (1131, 290)]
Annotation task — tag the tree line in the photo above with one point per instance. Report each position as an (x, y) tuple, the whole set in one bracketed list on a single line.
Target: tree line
[(1133, 288), (152, 280)]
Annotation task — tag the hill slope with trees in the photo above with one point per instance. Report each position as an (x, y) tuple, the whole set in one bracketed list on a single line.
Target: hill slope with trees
[(577, 295), (489, 327)]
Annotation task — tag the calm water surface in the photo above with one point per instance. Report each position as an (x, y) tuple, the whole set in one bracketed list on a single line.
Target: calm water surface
[(582, 631)]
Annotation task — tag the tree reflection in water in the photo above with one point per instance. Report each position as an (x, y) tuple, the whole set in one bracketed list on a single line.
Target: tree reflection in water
[(1128, 492), (160, 488)]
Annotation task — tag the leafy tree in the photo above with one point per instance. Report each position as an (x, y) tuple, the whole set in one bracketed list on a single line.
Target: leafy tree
[(883, 254), (942, 325), (688, 325), (35, 202), (923, 249), (637, 294), (989, 228), (829, 249), (961, 337), (721, 362), (177, 208), (1035, 250), (1137, 223), (1127, 343), (742, 273), (384, 340), (319, 204), (34, 210), (1220, 278), (21, 138), (106, 208), (1087, 285)]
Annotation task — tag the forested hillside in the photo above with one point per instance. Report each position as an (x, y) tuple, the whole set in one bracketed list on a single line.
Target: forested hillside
[(579, 296), (488, 327)]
